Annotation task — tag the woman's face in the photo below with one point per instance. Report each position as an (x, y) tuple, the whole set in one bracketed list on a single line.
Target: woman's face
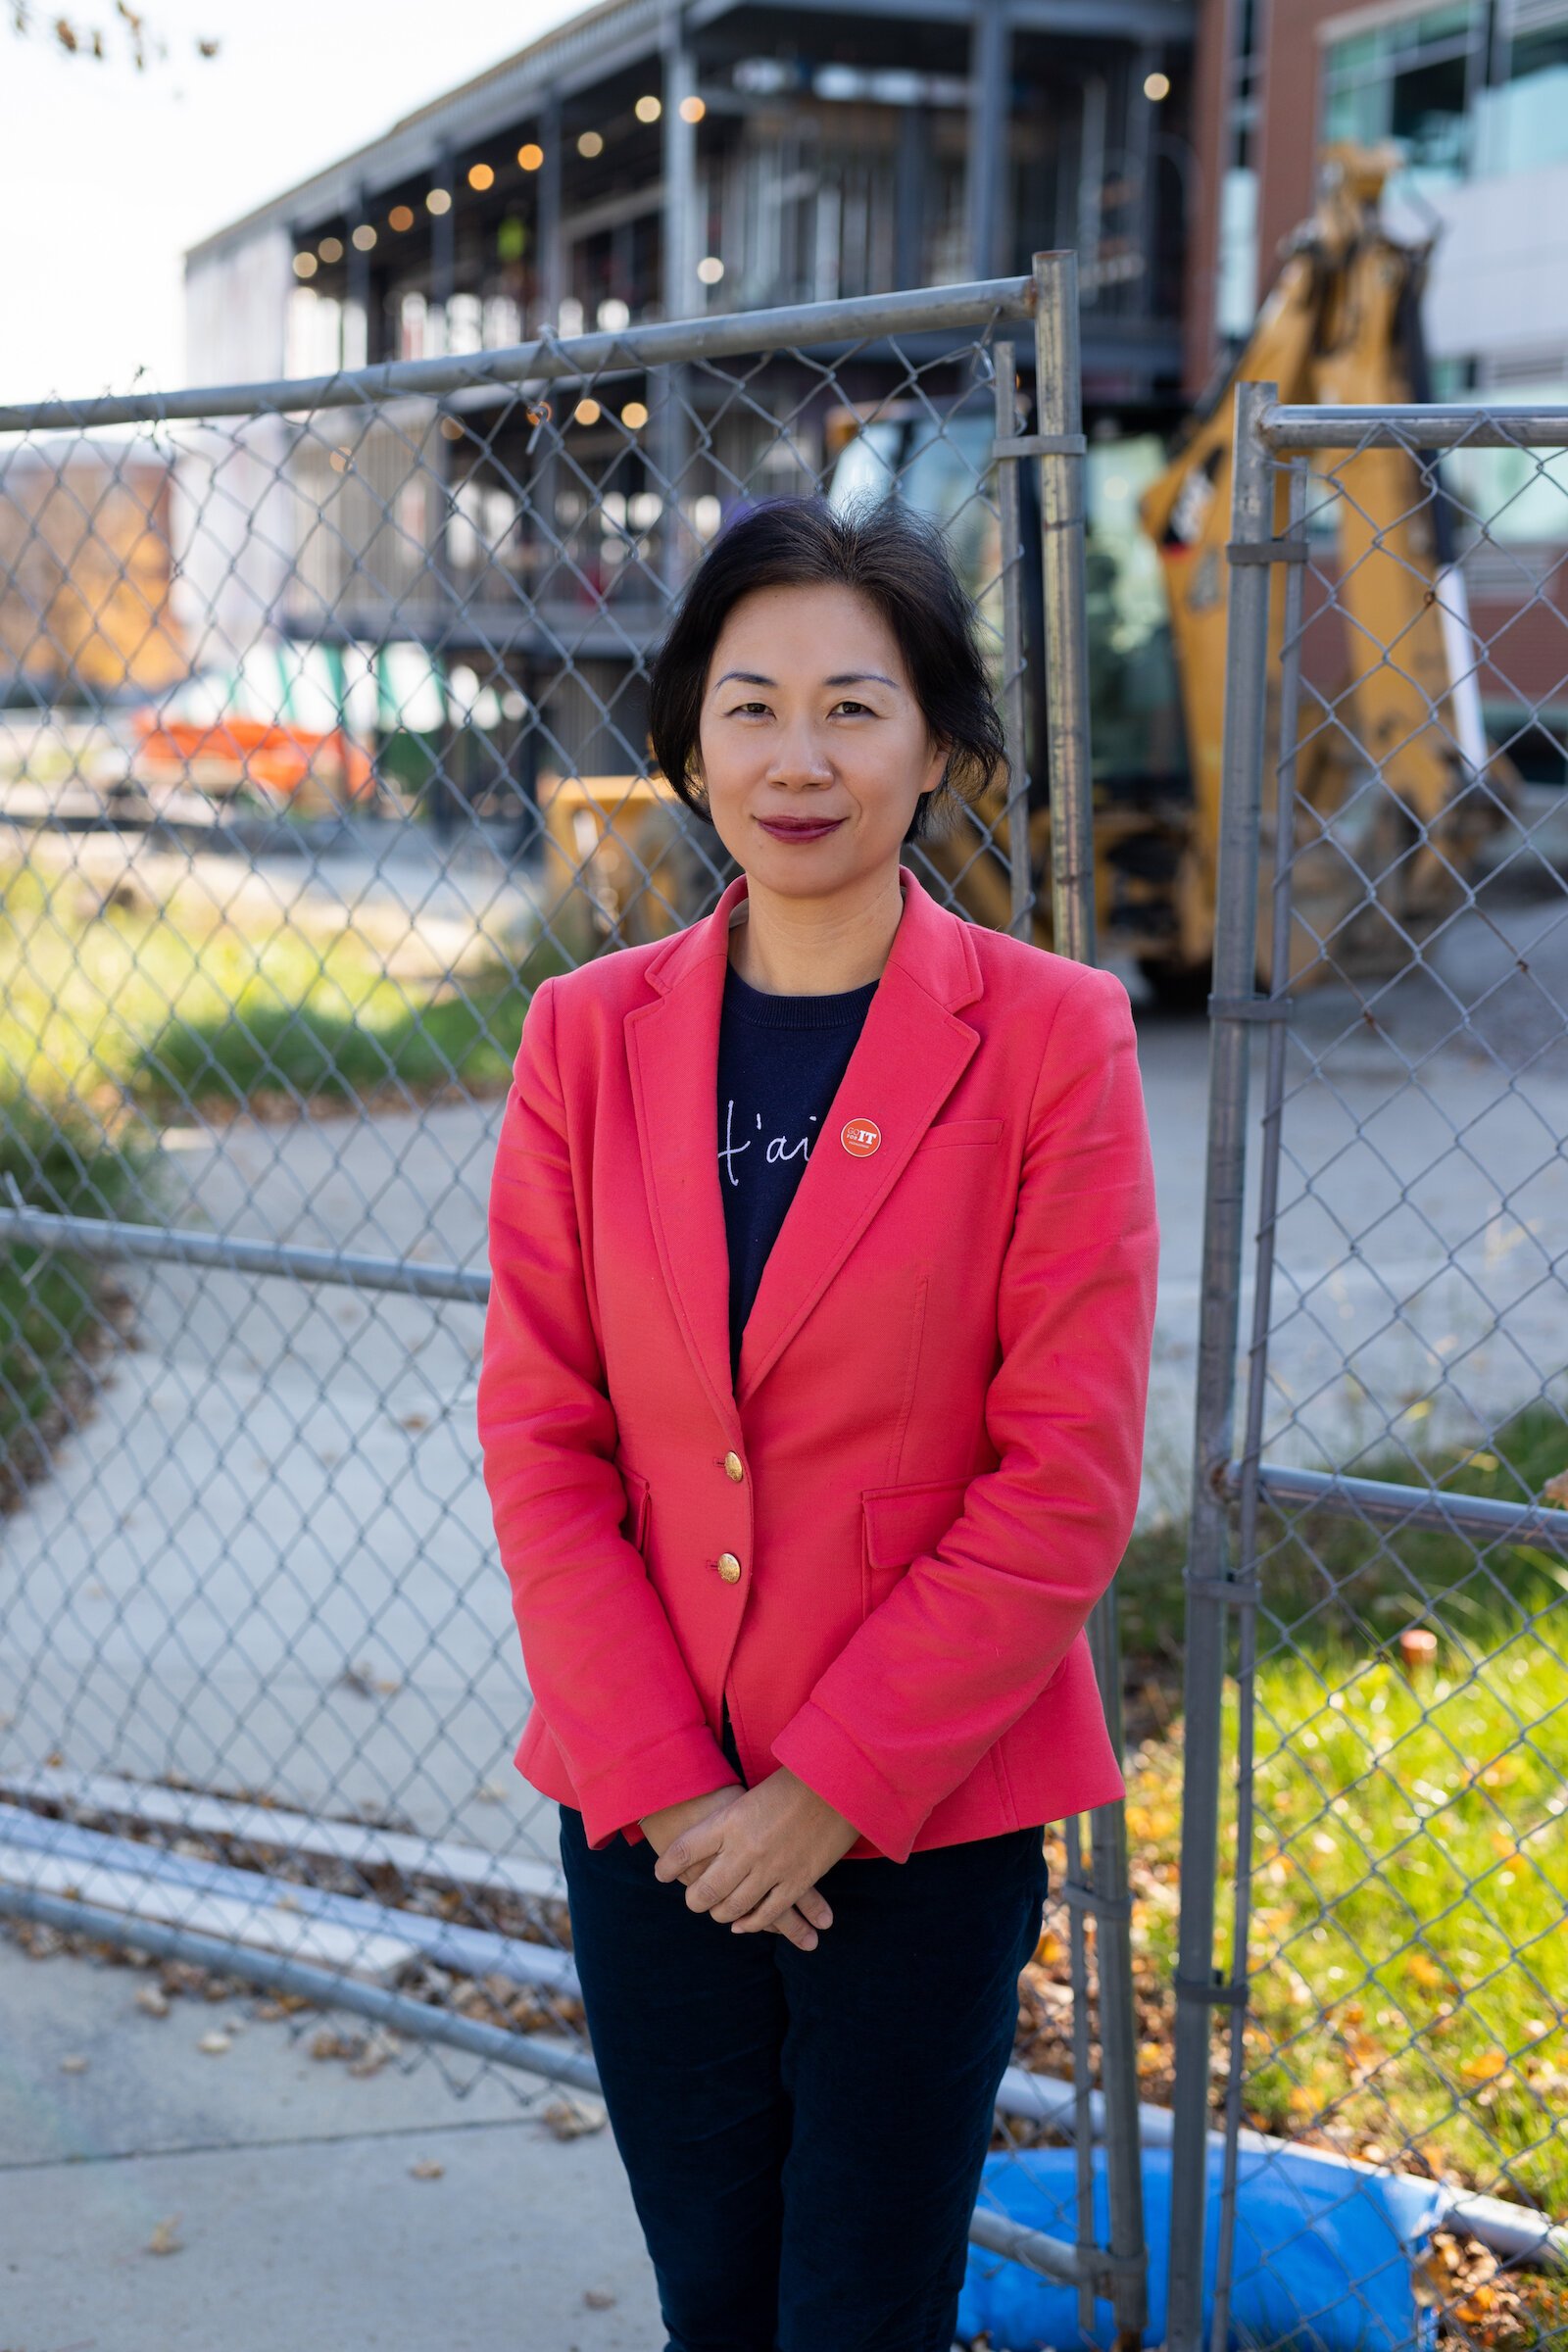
[(814, 749)]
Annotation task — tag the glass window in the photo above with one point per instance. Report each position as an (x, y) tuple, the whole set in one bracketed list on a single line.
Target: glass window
[(1414, 81), (1236, 278), (1523, 123)]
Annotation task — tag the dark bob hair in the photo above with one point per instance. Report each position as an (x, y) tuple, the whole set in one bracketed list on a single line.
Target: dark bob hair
[(887, 553)]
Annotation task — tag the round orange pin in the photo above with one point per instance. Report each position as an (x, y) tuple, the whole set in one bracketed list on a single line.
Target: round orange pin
[(860, 1137)]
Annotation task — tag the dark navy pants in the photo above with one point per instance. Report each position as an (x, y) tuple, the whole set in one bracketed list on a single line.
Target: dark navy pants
[(803, 2131)]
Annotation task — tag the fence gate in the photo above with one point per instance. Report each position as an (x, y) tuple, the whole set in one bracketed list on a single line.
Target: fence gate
[(1377, 1638), (268, 939)]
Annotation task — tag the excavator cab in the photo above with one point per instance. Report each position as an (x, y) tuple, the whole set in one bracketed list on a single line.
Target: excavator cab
[(938, 457)]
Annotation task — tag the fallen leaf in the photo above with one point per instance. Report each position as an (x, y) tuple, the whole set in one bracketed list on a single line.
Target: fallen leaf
[(598, 2298), (75, 2063), (154, 1999), (164, 2239), (426, 2169), (569, 2118), (379, 2047)]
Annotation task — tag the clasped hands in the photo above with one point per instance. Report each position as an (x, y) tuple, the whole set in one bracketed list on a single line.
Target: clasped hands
[(752, 1857)]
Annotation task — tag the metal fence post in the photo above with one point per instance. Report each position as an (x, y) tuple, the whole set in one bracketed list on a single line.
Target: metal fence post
[(1246, 1560), (1207, 1609), (1058, 412), (1059, 420), (1004, 363)]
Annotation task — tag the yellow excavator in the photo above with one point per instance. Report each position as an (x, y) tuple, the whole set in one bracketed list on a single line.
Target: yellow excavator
[(1394, 781)]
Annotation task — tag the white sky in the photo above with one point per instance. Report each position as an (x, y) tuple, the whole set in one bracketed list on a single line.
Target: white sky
[(107, 175)]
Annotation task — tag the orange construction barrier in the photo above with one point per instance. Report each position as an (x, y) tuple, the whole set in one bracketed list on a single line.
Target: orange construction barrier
[(280, 759)]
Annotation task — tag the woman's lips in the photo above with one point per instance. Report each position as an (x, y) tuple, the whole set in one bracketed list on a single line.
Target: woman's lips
[(810, 832)]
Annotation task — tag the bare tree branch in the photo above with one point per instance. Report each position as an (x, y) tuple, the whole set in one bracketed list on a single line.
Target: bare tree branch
[(141, 43)]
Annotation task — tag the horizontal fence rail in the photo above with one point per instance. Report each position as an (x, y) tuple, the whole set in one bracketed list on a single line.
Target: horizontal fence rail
[(801, 326)]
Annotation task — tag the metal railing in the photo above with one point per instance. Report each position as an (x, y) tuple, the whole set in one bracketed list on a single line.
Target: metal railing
[(268, 941)]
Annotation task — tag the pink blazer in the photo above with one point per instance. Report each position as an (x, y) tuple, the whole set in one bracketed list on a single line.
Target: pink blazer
[(882, 1543)]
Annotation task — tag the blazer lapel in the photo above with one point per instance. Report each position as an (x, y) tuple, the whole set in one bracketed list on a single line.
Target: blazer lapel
[(907, 1061), (672, 1054)]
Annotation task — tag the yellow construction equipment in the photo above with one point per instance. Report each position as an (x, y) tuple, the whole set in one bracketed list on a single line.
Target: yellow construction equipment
[(1341, 327)]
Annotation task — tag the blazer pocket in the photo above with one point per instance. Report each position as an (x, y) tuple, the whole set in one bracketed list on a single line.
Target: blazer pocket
[(900, 1524), (962, 1131), (634, 1519)]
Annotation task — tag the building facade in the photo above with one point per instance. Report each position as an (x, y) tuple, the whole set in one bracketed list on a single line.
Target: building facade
[(650, 161), (1476, 94)]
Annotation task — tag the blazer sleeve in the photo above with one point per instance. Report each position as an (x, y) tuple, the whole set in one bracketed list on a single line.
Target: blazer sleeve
[(974, 1631), (599, 1650)]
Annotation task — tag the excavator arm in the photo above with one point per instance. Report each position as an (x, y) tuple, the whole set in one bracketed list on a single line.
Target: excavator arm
[(1390, 751)]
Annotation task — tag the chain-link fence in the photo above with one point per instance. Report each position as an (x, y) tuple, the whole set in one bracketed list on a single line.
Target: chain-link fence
[(1376, 1705), (326, 743)]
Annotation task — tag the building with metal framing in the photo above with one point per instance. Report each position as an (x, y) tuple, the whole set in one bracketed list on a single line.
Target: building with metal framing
[(650, 161)]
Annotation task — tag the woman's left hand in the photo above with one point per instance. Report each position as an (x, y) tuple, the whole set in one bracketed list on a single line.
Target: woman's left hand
[(763, 1852)]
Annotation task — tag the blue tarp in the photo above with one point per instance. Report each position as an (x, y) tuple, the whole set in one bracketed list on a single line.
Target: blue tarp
[(1324, 2252)]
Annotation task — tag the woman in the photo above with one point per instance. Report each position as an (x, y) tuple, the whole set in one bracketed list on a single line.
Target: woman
[(822, 1259)]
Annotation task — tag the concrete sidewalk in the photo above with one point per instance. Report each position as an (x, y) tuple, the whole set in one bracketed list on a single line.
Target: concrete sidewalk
[(291, 2189)]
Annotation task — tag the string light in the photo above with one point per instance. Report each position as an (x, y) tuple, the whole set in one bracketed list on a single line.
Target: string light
[(401, 216), (331, 249), (363, 237), (530, 155), (438, 201), (305, 265), (590, 144), (1156, 86), (692, 110), (648, 110), (634, 416), (481, 177), (710, 269), (587, 412)]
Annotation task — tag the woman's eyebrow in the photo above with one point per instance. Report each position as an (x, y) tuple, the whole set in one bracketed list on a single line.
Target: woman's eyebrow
[(846, 677)]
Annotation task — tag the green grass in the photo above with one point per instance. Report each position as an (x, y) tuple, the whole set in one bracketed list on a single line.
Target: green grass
[(327, 1043), (1409, 1884), (51, 1300), (1410, 1846), (1329, 1580), (113, 1023), (181, 1008)]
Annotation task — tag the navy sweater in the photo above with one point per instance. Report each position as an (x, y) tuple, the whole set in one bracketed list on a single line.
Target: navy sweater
[(780, 1063)]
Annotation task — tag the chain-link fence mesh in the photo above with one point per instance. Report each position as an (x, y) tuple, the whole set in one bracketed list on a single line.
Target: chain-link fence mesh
[(1381, 1542), (326, 742)]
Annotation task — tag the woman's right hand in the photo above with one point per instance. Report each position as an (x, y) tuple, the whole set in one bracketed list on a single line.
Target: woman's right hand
[(799, 1923)]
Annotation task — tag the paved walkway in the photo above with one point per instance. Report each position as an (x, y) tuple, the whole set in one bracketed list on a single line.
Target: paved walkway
[(296, 2191)]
